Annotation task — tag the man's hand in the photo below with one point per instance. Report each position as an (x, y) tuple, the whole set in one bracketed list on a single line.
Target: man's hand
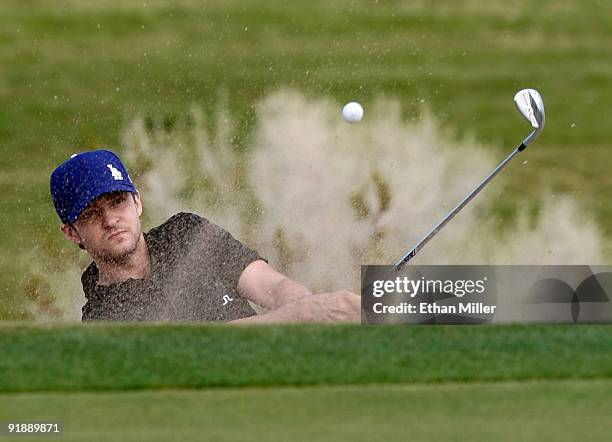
[(340, 306)]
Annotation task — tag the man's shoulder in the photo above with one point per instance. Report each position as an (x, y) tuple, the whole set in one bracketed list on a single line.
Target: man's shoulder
[(89, 279), (180, 221), (184, 225), (181, 225)]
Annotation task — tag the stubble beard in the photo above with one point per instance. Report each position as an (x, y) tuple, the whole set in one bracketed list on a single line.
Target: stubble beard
[(121, 257)]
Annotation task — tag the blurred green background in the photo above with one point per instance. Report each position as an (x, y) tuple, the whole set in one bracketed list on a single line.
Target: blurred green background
[(73, 72)]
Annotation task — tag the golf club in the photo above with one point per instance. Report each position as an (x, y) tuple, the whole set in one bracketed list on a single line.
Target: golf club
[(530, 105)]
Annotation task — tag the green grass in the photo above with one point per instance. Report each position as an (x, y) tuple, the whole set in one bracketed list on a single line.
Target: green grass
[(528, 411), (120, 357), (72, 72), (308, 382)]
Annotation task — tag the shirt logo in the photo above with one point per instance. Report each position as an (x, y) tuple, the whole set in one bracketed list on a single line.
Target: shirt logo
[(227, 299), (115, 172)]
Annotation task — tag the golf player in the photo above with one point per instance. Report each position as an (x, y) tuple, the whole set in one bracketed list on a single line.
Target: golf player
[(186, 269)]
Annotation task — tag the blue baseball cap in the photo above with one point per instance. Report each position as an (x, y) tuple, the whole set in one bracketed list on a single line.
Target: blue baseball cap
[(84, 177)]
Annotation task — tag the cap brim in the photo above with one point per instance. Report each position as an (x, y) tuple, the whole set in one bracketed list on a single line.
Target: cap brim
[(96, 194)]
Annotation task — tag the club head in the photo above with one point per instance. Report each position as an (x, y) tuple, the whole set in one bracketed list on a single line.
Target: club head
[(530, 105)]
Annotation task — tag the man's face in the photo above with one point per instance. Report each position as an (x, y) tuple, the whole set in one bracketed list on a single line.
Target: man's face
[(109, 227)]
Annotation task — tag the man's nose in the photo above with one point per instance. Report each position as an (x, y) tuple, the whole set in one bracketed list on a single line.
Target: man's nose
[(109, 218)]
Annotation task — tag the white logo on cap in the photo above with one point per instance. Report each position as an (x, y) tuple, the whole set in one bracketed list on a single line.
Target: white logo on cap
[(116, 173)]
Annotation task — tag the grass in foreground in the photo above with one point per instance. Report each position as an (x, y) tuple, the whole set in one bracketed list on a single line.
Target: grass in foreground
[(527, 411), (120, 357)]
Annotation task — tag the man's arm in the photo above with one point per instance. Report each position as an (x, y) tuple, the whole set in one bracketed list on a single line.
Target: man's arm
[(292, 302), (266, 287), (341, 306)]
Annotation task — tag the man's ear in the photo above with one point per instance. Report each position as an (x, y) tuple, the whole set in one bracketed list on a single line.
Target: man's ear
[(70, 233), (138, 203)]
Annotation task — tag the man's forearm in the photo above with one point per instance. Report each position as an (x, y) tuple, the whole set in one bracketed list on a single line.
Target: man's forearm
[(285, 291), (264, 286), (284, 314), (340, 306)]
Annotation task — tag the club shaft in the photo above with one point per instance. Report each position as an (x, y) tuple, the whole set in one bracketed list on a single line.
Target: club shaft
[(408, 256)]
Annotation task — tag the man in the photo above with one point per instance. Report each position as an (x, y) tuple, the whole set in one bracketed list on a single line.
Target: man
[(185, 269)]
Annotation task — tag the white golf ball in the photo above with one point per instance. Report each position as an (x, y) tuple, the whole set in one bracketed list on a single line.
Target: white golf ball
[(352, 112)]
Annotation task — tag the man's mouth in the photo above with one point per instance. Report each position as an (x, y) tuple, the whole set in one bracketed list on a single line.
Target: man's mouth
[(114, 235)]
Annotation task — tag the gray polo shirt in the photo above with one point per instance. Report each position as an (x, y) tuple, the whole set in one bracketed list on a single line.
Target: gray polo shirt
[(195, 267)]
